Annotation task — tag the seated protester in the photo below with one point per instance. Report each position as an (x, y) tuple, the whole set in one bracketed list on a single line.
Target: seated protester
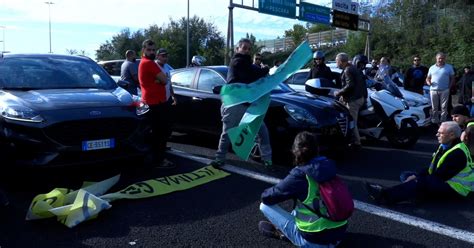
[(449, 174), (300, 184), (460, 115)]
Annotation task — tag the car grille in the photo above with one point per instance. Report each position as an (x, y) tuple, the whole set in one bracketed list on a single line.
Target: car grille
[(74, 132), (343, 124), (427, 111)]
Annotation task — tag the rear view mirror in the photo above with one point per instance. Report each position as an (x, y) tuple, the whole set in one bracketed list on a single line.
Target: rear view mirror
[(217, 89)]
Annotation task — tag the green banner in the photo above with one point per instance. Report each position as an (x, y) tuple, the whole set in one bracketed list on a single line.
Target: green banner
[(73, 207), (257, 93)]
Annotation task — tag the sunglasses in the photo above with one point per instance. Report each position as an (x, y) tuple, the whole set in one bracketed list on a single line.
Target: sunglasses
[(416, 59)]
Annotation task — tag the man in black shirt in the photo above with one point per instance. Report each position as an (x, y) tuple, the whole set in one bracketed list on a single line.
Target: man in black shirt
[(432, 181), (319, 69), (415, 76)]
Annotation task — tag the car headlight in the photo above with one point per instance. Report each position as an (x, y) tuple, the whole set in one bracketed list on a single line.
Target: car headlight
[(21, 113), (300, 114)]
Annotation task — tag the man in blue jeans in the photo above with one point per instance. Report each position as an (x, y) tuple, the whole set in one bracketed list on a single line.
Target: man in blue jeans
[(304, 228), (241, 70), (449, 174)]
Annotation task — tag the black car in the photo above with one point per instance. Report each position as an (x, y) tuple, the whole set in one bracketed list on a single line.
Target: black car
[(57, 110), (198, 110)]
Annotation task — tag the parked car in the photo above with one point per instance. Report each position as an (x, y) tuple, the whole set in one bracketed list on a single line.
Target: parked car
[(420, 106), (58, 109), (198, 110)]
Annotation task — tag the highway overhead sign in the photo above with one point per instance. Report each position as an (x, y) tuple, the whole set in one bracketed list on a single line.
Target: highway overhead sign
[(284, 8)]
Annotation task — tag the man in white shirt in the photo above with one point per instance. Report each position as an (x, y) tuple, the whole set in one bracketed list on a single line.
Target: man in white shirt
[(440, 79), (162, 61)]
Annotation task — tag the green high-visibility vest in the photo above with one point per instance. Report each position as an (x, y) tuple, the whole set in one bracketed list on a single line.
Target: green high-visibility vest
[(308, 221), (463, 182)]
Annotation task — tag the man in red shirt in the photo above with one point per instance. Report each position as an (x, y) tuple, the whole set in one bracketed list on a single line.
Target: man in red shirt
[(153, 81)]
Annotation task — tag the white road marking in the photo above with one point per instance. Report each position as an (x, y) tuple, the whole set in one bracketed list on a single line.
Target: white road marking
[(428, 225)]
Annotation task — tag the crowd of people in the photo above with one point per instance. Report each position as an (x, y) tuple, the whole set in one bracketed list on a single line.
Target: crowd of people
[(449, 174)]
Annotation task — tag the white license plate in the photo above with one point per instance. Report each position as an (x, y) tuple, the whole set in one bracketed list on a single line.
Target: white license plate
[(90, 145)]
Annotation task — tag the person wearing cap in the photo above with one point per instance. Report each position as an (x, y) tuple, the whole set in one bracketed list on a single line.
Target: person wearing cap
[(460, 115), (319, 69), (448, 176), (129, 72), (162, 60)]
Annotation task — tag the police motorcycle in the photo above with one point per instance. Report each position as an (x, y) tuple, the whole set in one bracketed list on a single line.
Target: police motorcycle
[(383, 114)]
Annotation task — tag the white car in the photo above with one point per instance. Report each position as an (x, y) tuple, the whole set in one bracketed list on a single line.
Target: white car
[(420, 106)]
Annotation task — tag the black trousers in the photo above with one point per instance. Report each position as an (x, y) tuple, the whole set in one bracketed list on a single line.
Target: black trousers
[(159, 118)]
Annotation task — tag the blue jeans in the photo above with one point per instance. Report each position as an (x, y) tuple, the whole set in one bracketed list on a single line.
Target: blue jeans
[(231, 118), (285, 222)]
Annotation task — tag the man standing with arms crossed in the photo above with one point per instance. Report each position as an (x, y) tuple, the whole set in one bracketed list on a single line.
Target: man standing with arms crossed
[(352, 92), (153, 84), (440, 79)]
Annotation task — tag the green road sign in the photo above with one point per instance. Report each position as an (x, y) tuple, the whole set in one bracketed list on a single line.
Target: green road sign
[(285, 8), (314, 13)]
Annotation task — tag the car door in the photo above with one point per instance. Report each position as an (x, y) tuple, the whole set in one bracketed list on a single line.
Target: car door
[(207, 102), (185, 116)]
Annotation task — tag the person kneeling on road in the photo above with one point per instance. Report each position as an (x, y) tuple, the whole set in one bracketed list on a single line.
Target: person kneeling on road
[(449, 175), (302, 227)]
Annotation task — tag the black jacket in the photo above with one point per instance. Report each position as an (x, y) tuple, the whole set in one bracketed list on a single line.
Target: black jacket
[(452, 165), (320, 71), (295, 186), (353, 85), (241, 70), (465, 88)]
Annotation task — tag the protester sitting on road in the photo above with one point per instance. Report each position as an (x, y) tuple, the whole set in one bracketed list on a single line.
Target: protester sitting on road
[(302, 227), (449, 175), (460, 115)]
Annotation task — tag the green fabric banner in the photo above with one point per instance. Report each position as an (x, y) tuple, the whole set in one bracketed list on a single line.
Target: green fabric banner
[(257, 93)]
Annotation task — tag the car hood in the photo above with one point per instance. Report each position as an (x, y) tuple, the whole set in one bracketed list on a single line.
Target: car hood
[(52, 99), (298, 99)]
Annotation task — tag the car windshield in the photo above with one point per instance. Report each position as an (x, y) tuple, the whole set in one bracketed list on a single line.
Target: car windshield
[(52, 72), (280, 88)]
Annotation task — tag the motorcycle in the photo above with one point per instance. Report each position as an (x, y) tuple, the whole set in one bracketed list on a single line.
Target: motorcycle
[(385, 112)]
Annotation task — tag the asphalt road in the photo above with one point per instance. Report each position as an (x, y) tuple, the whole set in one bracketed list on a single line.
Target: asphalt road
[(222, 213)]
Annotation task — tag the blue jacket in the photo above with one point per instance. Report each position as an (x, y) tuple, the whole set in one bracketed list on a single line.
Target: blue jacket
[(295, 186)]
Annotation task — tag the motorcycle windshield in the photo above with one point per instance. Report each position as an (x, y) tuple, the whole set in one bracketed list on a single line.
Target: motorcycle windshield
[(392, 87)]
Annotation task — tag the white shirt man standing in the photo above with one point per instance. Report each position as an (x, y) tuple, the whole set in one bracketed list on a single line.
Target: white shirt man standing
[(440, 79)]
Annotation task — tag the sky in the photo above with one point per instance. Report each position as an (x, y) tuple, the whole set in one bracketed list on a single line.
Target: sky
[(84, 25)]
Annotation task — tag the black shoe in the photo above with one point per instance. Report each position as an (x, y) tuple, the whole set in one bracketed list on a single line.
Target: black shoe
[(217, 163), (375, 192), (268, 229), (165, 165), (355, 147)]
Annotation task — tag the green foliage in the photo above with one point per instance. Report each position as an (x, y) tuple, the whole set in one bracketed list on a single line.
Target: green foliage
[(297, 34), (204, 39)]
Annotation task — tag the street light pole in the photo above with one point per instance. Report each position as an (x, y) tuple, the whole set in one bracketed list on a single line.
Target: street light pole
[(49, 11), (187, 39)]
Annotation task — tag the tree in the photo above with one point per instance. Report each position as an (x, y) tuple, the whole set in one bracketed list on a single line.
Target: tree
[(205, 40), (297, 34)]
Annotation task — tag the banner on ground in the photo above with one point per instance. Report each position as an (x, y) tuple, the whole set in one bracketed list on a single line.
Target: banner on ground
[(72, 207)]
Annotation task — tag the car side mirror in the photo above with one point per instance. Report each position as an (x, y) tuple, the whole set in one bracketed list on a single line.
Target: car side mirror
[(123, 84), (217, 89)]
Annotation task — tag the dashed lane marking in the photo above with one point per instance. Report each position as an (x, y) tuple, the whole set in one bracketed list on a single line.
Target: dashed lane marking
[(428, 225)]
